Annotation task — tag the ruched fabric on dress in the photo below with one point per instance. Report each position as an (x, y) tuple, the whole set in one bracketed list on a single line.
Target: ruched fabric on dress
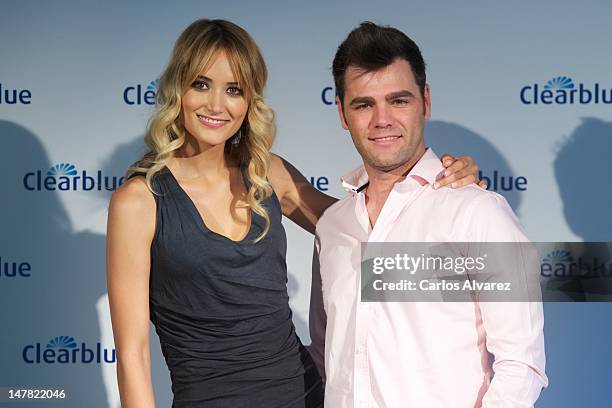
[(221, 310)]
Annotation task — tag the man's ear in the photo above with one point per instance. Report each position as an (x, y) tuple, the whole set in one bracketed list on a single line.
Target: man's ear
[(426, 103), (341, 113)]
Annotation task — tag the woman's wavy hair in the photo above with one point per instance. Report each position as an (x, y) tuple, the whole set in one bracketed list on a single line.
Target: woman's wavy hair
[(194, 51)]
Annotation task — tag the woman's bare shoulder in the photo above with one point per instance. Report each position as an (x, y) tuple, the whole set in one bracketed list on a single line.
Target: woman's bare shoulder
[(133, 199)]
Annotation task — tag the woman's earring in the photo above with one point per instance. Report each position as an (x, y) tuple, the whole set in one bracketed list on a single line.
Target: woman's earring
[(236, 138)]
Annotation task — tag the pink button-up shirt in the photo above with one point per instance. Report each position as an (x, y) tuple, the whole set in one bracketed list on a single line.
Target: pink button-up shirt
[(425, 355)]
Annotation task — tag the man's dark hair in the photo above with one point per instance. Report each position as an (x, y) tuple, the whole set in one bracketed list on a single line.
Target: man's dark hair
[(371, 47)]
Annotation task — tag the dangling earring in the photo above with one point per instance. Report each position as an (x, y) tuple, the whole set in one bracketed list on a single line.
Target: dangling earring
[(236, 138)]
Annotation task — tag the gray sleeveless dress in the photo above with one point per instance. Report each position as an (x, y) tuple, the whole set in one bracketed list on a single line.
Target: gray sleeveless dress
[(221, 310)]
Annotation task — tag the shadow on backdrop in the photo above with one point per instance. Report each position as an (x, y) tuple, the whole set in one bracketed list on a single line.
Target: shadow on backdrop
[(584, 183), (123, 156), (578, 334), (444, 137), (66, 279)]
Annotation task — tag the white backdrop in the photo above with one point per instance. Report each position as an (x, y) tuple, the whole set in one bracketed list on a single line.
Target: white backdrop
[(71, 74)]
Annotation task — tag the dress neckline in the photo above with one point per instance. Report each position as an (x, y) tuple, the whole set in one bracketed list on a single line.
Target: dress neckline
[(200, 219)]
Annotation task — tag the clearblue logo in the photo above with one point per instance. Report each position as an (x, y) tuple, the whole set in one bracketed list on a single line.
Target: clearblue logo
[(556, 263), (562, 90), (13, 269), (497, 181), (561, 82), (65, 350), (66, 177), (328, 96), (14, 96), (560, 263), (139, 95), (62, 169)]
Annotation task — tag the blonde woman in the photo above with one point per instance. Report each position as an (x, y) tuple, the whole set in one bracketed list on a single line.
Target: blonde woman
[(195, 242)]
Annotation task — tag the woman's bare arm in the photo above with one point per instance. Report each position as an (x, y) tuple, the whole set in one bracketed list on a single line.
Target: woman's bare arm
[(131, 225), (300, 201)]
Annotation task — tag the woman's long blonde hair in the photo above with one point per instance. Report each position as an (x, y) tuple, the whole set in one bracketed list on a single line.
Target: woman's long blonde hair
[(193, 53)]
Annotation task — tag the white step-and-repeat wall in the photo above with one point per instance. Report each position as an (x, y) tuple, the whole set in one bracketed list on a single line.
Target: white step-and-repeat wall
[(77, 83)]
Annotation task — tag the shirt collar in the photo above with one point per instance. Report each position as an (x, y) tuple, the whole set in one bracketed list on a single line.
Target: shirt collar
[(424, 172)]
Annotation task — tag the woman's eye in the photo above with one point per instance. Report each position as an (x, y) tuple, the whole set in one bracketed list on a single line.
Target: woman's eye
[(234, 90), (199, 85)]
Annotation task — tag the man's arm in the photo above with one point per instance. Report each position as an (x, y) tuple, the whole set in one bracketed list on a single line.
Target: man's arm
[(317, 316), (514, 330)]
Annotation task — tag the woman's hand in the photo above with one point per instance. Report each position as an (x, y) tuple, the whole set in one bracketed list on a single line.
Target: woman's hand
[(460, 171)]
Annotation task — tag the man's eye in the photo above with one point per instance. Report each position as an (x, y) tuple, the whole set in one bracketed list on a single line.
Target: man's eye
[(234, 90), (400, 102), (199, 85), (362, 106)]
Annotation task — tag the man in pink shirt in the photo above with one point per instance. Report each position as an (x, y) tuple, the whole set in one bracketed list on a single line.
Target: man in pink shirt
[(410, 354)]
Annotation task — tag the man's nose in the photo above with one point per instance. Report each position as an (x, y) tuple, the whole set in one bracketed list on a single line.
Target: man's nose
[(383, 117)]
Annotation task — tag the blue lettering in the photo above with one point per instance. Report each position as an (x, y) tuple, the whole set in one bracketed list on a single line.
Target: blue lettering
[(506, 183), (48, 355), (81, 354), (546, 97), (23, 268), (14, 96), (499, 182), (83, 181), (133, 95), (25, 97), (320, 183), (579, 94), (606, 96), (113, 357), (26, 183), (523, 98), (88, 179), (12, 269), (546, 270), (126, 98), (50, 183), (64, 183), (585, 95), (560, 270), (561, 97), (63, 356), (521, 183), (25, 354), (87, 355), (325, 96), (149, 97), (109, 187)]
